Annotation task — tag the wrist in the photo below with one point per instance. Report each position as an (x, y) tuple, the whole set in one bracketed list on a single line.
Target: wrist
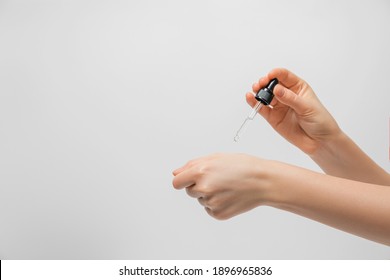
[(275, 178), (330, 146), (339, 156), (287, 186)]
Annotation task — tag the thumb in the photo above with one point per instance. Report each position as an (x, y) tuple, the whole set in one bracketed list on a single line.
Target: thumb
[(290, 98)]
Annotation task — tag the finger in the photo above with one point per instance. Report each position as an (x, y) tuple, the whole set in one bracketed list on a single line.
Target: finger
[(192, 192), (189, 164), (285, 77), (178, 170), (184, 179), (209, 211), (255, 87), (217, 214), (252, 101), (202, 201), (289, 98)]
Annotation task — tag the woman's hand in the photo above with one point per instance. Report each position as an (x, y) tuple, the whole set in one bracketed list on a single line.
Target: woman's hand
[(230, 184), (297, 113), (226, 184), (300, 118)]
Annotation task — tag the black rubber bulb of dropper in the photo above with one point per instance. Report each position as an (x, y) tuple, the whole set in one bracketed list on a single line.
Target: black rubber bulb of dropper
[(266, 94)]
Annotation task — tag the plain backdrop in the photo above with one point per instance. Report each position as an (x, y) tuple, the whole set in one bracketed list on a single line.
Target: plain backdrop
[(101, 100)]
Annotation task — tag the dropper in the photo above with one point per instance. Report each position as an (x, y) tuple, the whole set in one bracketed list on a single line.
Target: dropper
[(264, 97)]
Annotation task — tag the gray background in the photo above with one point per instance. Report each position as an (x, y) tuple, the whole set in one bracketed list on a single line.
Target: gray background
[(101, 100)]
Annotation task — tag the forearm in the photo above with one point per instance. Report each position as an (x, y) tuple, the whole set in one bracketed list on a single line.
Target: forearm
[(341, 157), (359, 208)]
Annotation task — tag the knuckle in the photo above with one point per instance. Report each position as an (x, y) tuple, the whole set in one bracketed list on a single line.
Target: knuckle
[(190, 163), (206, 190), (203, 170)]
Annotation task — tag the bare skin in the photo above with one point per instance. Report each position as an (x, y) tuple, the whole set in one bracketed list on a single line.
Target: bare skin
[(301, 119), (345, 197)]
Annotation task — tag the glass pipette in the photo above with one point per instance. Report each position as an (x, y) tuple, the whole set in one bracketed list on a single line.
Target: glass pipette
[(263, 97), (250, 117)]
